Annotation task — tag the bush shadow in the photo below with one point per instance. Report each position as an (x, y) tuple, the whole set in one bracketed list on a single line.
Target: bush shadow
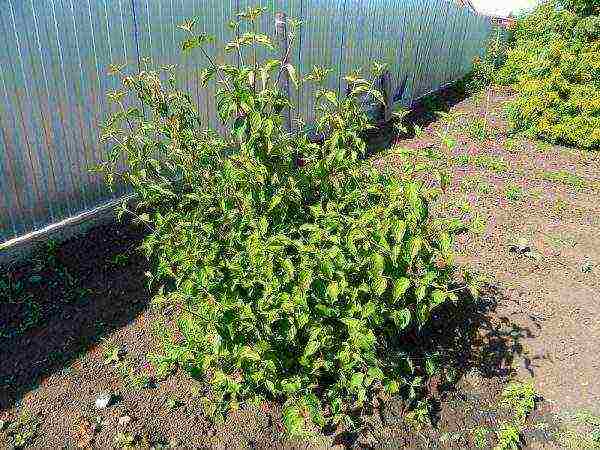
[(61, 303)]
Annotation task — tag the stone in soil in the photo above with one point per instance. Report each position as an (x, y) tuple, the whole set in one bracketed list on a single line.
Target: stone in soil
[(103, 400)]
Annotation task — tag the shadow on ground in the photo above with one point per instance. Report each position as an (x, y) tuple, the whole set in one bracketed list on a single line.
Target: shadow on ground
[(62, 302), (478, 349)]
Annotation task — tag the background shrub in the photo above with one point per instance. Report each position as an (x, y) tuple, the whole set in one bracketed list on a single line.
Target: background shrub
[(287, 269), (555, 69)]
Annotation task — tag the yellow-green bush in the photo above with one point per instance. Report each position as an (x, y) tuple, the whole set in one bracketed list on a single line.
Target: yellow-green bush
[(554, 65)]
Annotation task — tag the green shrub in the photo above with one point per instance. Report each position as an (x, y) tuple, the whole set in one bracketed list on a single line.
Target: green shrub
[(555, 69), (287, 269)]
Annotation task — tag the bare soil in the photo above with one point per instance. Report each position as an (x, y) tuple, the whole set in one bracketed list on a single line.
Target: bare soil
[(537, 317)]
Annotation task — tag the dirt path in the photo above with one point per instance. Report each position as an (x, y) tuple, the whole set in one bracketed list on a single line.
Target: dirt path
[(546, 198)]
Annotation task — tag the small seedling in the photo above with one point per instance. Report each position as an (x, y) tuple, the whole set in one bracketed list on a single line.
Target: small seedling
[(420, 416), (113, 353), (509, 437), (134, 379), (480, 435), (478, 225), (124, 440), (564, 177), (120, 260), (172, 402), (475, 183), (514, 193), (513, 145), (520, 398), (23, 430)]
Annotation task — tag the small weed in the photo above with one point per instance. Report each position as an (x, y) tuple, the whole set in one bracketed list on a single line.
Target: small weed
[(560, 206), (564, 177), (121, 260), (520, 398), (173, 402), (560, 240), (513, 145), (124, 440), (514, 193), (579, 429), (478, 130), (23, 430), (493, 163), (478, 225), (112, 353), (420, 416), (509, 437), (134, 379), (476, 183), (480, 435)]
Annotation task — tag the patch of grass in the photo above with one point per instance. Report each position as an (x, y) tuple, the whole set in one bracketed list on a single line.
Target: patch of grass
[(542, 147), (493, 163), (475, 183), (478, 129), (512, 145), (564, 177), (579, 429), (509, 437), (23, 430), (120, 260), (514, 193), (480, 436), (561, 240), (134, 379), (520, 398), (44, 271)]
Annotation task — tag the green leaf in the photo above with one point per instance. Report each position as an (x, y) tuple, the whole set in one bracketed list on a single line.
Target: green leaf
[(249, 354), (314, 409), (401, 318), (293, 420), (190, 44), (438, 297), (275, 200), (356, 382), (331, 97), (379, 286), (401, 285), (414, 246), (333, 290), (377, 265), (375, 373), (391, 387), (398, 230)]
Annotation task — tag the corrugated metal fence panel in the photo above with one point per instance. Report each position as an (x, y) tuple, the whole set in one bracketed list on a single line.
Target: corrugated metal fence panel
[(55, 53)]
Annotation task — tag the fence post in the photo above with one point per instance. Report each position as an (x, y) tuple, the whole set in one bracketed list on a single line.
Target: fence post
[(283, 41)]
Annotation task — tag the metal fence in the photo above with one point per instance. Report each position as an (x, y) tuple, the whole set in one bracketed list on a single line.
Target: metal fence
[(54, 54)]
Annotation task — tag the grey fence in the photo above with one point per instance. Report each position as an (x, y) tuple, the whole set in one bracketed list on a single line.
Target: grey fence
[(54, 55)]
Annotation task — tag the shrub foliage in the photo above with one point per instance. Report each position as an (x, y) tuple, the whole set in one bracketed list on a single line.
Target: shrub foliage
[(287, 269), (555, 68)]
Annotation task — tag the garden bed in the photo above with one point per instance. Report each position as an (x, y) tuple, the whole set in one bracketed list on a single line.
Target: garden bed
[(86, 327)]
